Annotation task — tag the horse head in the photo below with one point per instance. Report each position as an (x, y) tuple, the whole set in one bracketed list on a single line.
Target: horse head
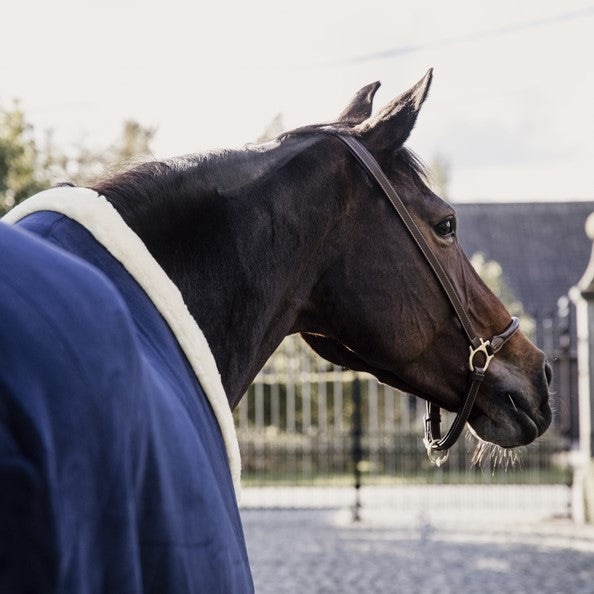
[(293, 235), (378, 307)]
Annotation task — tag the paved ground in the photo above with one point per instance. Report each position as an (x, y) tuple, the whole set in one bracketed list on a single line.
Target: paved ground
[(510, 502), (323, 551)]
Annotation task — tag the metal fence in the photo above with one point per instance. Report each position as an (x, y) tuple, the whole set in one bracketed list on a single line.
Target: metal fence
[(555, 333), (295, 426)]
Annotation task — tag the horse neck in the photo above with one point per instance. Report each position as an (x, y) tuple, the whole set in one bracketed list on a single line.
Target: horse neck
[(244, 259)]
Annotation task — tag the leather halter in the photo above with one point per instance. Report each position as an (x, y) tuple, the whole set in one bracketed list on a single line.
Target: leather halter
[(481, 351)]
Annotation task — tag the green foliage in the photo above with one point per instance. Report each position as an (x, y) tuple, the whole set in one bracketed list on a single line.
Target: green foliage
[(133, 143), (27, 168), (21, 163), (87, 165), (491, 273)]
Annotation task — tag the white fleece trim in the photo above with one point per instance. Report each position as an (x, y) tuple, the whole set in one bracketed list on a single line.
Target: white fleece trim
[(102, 220)]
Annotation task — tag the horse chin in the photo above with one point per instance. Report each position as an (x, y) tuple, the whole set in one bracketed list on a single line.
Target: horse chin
[(508, 434), (511, 424), (489, 455)]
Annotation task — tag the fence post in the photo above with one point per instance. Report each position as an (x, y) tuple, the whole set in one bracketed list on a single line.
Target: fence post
[(566, 419), (583, 297), (357, 451)]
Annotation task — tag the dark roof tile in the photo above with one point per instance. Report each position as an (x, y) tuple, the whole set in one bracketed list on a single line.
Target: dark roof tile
[(541, 246)]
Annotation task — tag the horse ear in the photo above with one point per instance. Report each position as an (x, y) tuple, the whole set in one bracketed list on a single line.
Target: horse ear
[(359, 109), (390, 128)]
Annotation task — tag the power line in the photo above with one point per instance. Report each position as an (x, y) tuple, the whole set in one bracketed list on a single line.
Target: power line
[(484, 34)]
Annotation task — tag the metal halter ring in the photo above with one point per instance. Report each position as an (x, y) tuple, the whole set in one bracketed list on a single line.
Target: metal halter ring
[(437, 457), (484, 347)]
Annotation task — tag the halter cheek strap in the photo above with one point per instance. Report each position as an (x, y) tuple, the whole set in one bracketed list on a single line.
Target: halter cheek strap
[(481, 351)]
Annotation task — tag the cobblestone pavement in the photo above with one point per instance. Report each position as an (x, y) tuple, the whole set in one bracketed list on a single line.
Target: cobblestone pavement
[(323, 551)]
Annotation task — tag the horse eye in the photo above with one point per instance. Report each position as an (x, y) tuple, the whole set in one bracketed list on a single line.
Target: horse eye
[(446, 228)]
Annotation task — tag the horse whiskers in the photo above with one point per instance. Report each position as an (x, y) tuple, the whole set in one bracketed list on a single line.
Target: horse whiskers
[(512, 401), (492, 456), (556, 403)]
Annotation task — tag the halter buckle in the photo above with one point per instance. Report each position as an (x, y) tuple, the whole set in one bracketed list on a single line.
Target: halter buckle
[(484, 348)]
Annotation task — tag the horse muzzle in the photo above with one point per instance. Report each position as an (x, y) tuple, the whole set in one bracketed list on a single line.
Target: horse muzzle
[(513, 408)]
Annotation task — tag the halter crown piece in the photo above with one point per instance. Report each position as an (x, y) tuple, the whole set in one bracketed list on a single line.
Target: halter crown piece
[(481, 351)]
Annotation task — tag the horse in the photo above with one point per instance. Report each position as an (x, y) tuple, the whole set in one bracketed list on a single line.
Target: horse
[(136, 313)]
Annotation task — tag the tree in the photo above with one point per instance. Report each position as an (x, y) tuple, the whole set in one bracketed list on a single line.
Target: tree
[(22, 165), (491, 273), (87, 164), (27, 168)]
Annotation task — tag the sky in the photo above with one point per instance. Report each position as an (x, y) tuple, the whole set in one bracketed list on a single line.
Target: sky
[(511, 105)]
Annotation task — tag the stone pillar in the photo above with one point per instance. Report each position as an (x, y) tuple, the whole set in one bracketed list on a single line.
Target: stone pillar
[(583, 297)]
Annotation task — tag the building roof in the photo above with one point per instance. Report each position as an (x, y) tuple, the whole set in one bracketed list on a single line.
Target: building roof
[(541, 246)]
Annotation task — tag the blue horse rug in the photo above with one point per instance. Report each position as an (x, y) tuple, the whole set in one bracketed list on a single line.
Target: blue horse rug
[(118, 455)]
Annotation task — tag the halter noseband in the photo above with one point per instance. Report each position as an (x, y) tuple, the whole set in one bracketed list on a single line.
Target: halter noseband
[(481, 351)]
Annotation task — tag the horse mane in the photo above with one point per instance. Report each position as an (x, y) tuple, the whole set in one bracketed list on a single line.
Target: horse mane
[(221, 170)]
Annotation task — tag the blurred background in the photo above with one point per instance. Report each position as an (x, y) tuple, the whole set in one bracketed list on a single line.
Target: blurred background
[(507, 134)]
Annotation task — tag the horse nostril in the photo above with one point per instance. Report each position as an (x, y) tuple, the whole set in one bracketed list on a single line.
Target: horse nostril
[(548, 373)]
